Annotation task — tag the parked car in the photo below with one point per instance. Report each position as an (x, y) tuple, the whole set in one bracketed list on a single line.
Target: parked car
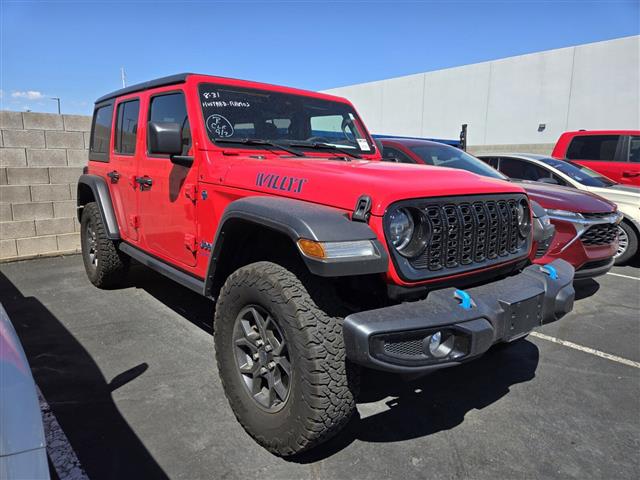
[(275, 202), (586, 224), (23, 452), (613, 153), (541, 168)]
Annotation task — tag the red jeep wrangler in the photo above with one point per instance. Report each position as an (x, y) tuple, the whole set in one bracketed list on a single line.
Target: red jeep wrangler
[(321, 258)]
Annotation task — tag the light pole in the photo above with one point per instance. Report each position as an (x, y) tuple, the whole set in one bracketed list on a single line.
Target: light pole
[(57, 99)]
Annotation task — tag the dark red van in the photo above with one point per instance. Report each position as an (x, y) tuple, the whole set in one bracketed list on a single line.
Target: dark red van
[(613, 153)]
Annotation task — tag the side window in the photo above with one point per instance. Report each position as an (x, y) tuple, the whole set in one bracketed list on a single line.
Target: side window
[(171, 108), (393, 154), (634, 149), (593, 147), (492, 161), (522, 170), (127, 127), (101, 133)]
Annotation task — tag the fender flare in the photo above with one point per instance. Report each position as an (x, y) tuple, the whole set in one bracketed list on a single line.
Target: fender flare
[(102, 197), (298, 219)]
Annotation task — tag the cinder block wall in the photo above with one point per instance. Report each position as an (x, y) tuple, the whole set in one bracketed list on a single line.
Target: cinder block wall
[(41, 158)]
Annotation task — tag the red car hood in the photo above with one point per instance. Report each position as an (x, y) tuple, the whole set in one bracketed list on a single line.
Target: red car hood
[(339, 183), (566, 198)]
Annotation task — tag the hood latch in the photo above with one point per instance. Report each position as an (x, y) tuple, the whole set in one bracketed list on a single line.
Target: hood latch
[(362, 212)]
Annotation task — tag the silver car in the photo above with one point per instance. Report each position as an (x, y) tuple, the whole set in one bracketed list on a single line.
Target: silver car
[(22, 444)]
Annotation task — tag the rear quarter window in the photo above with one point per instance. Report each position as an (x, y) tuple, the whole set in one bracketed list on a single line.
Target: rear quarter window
[(593, 147), (101, 133)]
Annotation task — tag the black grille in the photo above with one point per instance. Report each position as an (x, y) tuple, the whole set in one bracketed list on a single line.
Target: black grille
[(466, 233), (603, 234)]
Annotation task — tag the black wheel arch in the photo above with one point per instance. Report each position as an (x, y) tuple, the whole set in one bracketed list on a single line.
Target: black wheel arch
[(93, 188), (268, 228)]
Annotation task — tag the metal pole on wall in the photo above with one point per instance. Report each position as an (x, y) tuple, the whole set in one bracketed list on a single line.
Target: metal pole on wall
[(463, 137), (57, 99)]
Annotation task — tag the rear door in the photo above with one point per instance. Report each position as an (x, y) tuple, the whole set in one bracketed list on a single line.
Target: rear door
[(632, 154), (124, 165), (167, 191), (602, 153)]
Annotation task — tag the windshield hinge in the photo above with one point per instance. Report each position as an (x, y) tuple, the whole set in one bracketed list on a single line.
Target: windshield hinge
[(362, 212)]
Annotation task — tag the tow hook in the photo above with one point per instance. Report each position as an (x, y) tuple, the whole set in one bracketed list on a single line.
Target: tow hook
[(551, 271), (464, 298)]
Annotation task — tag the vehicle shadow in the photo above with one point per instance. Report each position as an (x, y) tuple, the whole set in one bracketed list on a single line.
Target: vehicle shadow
[(432, 403), (77, 392), (419, 407), (585, 288)]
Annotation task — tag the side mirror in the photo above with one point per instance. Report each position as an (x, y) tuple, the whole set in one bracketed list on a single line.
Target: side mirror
[(165, 138), (549, 180)]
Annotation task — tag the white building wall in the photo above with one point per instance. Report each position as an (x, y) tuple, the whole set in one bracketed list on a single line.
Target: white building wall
[(592, 86)]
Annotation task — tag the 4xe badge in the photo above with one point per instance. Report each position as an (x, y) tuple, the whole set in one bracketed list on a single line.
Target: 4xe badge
[(277, 182)]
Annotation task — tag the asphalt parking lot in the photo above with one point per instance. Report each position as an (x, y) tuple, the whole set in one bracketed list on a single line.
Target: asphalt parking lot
[(130, 377)]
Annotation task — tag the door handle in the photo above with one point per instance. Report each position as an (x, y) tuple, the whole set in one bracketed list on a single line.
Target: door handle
[(114, 176), (630, 173), (144, 182)]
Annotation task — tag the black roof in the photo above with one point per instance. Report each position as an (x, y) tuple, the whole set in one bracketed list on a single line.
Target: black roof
[(158, 82)]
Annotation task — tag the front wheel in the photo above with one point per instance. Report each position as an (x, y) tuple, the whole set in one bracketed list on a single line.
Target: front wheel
[(627, 243), (281, 360)]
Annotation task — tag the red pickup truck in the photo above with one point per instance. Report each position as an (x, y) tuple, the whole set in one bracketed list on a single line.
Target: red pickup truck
[(612, 153)]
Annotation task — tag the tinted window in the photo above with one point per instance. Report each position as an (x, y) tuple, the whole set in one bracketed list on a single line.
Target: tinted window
[(392, 154), (441, 155), (101, 133), (171, 108), (634, 149), (493, 161), (127, 127), (593, 147), (522, 170)]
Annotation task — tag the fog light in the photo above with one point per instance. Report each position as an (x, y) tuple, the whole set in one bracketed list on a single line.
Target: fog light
[(438, 345)]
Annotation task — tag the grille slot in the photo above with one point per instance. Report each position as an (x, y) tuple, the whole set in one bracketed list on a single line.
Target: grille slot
[(602, 234), (466, 233), (405, 348)]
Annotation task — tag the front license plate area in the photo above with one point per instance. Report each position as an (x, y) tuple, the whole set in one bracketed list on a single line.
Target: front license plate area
[(521, 317)]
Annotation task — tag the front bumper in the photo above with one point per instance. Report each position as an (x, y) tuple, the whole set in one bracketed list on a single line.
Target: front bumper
[(397, 338)]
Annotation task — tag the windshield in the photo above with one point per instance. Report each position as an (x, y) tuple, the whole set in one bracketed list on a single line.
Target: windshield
[(579, 173), (242, 113), (447, 156)]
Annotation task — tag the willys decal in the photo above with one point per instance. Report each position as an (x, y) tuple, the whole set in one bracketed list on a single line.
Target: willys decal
[(278, 182)]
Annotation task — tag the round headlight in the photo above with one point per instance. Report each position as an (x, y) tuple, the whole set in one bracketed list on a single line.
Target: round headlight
[(408, 231), (524, 218), (401, 228)]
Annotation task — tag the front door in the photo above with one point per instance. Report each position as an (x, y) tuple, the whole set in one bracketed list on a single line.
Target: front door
[(166, 190)]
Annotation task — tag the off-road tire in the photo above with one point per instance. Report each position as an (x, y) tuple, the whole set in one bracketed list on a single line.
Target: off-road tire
[(632, 246), (112, 265), (323, 384)]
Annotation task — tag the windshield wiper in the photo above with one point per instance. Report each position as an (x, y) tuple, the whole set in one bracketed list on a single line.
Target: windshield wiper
[(325, 146), (259, 141)]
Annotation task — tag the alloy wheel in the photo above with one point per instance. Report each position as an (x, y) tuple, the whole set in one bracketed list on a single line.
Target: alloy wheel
[(262, 358), (623, 242), (92, 245)]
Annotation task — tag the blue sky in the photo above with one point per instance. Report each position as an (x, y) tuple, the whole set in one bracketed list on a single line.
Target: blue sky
[(74, 49)]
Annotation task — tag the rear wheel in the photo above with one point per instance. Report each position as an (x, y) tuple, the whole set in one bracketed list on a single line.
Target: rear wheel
[(105, 265), (627, 243), (281, 360)]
